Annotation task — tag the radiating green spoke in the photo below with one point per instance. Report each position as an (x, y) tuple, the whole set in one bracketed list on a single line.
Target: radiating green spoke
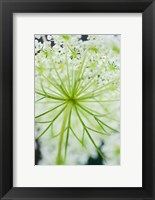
[(95, 117), (59, 158), (90, 121), (74, 90), (102, 127), (88, 83), (51, 123), (113, 129), (67, 136), (55, 85), (50, 96), (68, 76), (77, 137), (96, 147), (61, 95), (58, 134), (44, 131), (95, 92), (62, 83), (88, 110), (102, 133), (80, 79), (83, 135), (96, 101), (40, 99)]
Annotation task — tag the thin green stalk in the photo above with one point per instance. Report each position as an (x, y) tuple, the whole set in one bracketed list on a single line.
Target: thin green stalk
[(97, 131), (57, 93), (49, 96), (77, 137), (106, 125), (67, 137), (96, 91), (89, 101), (98, 150), (88, 110), (95, 117), (51, 123), (68, 76), (74, 89), (62, 84), (89, 83), (58, 87), (105, 132), (80, 78), (59, 159), (39, 99), (44, 113)]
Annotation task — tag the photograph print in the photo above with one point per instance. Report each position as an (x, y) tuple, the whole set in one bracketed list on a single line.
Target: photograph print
[(77, 99)]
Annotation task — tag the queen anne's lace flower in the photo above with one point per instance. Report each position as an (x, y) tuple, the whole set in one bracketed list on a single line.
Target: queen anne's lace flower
[(77, 82)]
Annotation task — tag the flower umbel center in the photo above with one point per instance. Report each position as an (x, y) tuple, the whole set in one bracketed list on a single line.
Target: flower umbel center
[(71, 101)]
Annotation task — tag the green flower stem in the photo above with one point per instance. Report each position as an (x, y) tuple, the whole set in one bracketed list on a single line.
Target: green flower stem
[(49, 96), (51, 123), (88, 84), (68, 75), (77, 137), (84, 114), (98, 90), (67, 137), (98, 120), (62, 85), (39, 99), (84, 126), (96, 101), (44, 113), (83, 69), (56, 86), (75, 86), (59, 159)]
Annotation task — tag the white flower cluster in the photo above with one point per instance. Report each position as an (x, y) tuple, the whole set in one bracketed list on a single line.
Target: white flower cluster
[(77, 107)]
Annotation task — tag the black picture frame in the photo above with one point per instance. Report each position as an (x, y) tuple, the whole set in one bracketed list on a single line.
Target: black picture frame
[(7, 8)]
